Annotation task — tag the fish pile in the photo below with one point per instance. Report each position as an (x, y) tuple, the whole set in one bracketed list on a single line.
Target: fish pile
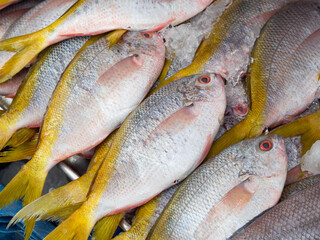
[(182, 107)]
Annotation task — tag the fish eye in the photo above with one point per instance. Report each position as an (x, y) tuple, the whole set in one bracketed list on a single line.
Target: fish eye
[(204, 79), (241, 109), (147, 35), (265, 145)]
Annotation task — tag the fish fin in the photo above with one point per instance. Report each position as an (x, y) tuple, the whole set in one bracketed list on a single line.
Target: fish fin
[(78, 226), (143, 221), (114, 36), (26, 48), (295, 128), (308, 139), (27, 184), (243, 130), (23, 151), (6, 130), (20, 137), (165, 70), (54, 204), (105, 228)]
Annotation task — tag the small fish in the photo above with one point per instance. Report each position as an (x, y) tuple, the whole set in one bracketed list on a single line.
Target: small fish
[(157, 146), (298, 217), (284, 76), (97, 91), (90, 17), (226, 192), (295, 188)]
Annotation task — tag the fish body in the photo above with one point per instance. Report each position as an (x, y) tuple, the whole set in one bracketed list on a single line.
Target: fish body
[(226, 192), (10, 87), (297, 217), (284, 73), (90, 17), (31, 101), (158, 145)]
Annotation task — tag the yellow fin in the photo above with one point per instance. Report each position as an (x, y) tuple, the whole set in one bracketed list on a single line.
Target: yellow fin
[(6, 130), (21, 136), (27, 184), (105, 228), (23, 151), (142, 223), (26, 48), (114, 36), (78, 226), (165, 70)]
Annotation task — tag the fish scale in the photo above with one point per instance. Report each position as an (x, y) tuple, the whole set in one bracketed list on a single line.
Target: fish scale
[(297, 217), (193, 212)]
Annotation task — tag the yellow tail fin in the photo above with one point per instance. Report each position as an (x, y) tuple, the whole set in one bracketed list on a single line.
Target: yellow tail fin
[(20, 137), (105, 228), (6, 130), (243, 130), (26, 48), (55, 204), (23, 151), (27, 184), (77, 226)]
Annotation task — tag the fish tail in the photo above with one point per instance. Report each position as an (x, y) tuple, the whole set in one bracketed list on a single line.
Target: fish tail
[(6, 130), (26, 48), (58, 204), (27, 184), (77, 226), (20, 137), (106, 227), (293, 129), (23, 151), (243, 130)]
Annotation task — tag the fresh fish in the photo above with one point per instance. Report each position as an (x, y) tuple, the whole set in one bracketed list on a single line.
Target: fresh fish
[(295, 188), (147, 215), (88, 17), (298, 217), (285, 53), (97, 91), (226, 192), (157, 146), (10, 87), (227, 49), (30, 103)]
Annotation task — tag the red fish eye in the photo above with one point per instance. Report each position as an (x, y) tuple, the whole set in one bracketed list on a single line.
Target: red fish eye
[(265, 145), (204, 79), (147, 35), (241, 109)]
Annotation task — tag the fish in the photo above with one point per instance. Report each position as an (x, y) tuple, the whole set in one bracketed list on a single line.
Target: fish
[(226, 192), (96, 92), (295, 188), (285, 53), (295, 218), (146, 216), (226, 51), (10, 87), (91, 17), (30, 103), (157, 146)]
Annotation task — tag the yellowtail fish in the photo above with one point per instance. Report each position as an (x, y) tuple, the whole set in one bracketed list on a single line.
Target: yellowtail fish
[(147, 215), (226, 192), (31, 101), (97, 91), (88, 17), (157, 146), (227, 49), (298, 217), (285, 53)]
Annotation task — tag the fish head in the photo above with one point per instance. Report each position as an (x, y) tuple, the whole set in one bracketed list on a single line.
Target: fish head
[(265, 157), (148, 43), (206, 87)]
